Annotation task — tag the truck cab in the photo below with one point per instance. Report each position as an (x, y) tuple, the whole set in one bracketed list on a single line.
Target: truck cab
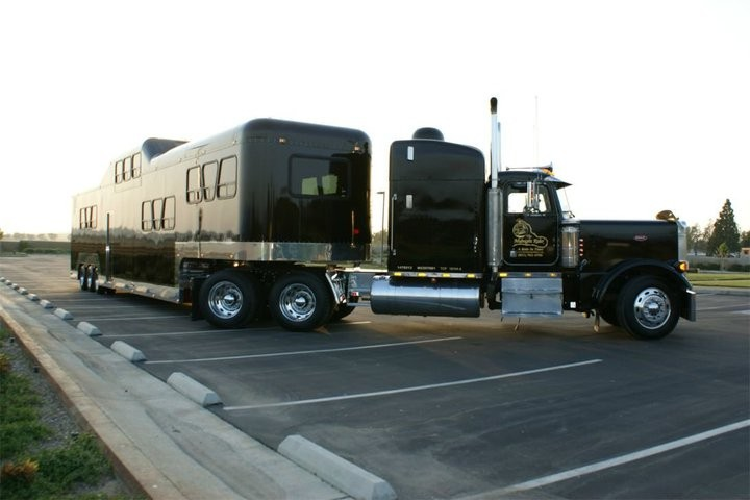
[(460, 242)]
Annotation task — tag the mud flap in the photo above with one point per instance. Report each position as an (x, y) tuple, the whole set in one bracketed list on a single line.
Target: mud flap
[(688, 309), (195, 292)]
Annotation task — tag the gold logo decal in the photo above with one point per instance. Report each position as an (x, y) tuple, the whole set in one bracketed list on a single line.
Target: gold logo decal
[(526, 242)]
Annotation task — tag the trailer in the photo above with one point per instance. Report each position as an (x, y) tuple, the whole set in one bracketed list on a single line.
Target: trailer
[(274, 215), (263, 216)]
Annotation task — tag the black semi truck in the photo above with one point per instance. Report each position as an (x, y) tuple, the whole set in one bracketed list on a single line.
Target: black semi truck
[(272, 214)]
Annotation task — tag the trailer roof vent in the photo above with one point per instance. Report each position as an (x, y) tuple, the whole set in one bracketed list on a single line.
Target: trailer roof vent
[(429, 133)]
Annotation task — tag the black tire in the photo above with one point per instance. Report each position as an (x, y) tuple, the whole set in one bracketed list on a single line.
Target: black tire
[(229, 299), (91, 280), (608, 312), (83, 278), (300, 301), (341, 313), (647, 308)]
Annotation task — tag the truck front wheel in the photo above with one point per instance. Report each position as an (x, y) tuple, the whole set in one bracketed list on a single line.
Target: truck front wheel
[(300, 301), (229, 299), (647, 308)]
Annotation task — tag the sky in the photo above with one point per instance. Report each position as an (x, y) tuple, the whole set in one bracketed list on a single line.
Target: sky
[(642, 105)]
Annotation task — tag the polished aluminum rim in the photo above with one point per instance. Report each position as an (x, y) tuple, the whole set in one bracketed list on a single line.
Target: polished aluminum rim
[(225, 300), (652, 308), (297, 302)]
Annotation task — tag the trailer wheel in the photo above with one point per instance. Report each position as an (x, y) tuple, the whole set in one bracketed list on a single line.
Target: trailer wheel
[(83, 281), (92, 275), (229, 299), (647, 308), (300, 301)]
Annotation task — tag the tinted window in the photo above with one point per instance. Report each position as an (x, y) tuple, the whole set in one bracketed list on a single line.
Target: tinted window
[(319, 176)]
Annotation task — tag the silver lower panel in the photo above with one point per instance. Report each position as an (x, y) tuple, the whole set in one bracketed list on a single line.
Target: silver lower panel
[(422, 298), (532, 297)]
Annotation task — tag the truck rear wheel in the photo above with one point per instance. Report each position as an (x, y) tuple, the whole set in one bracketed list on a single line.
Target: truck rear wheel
[(229, 299), (647, 308), (300, 301)]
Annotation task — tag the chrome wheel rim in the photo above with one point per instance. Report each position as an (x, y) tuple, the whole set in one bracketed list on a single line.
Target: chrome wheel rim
[(652, 308), (297, 302), (225, 300)]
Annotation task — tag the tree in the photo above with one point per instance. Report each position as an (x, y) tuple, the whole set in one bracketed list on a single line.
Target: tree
[(1, 234), (744, 239), (694, 238), (724, 231)]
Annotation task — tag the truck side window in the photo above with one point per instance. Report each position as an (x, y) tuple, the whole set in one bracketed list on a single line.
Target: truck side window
[(522, 199), (516, 201)]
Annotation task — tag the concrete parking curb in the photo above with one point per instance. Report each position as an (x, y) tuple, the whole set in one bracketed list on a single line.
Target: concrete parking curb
[(192, 389), (335, 470), (88, 329), (127, 352), (63, 314)]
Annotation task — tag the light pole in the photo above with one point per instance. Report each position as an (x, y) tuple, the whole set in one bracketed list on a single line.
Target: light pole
[(382, 228)]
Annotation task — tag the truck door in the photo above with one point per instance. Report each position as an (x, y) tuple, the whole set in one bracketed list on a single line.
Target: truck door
[(530, 225)]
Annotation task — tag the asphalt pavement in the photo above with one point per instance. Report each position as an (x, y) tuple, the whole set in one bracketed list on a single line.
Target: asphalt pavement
[(163, 442)]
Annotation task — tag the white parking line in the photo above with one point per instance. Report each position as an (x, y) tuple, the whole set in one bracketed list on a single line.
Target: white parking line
[(623, 459), (295, 353), (415, 388), (138, 318)]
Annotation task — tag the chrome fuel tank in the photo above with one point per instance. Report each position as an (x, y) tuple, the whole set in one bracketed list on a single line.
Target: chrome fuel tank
[(457, 299)]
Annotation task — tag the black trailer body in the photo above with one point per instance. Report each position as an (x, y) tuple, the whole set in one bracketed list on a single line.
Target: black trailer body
[(253, 204)]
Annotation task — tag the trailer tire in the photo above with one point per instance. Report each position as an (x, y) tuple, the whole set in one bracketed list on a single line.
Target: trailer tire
[(91, 279), (83, 281), (229, 299), (647, 308), (300, 301)]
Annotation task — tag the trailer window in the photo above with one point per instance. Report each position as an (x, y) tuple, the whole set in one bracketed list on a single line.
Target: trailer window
[(193, 185), (87, 217), (118, 171), (136, 165), (158, 214), (319, 176), (210, 178), (147, 216), (227, 186), (127, 170), (168, 213)]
